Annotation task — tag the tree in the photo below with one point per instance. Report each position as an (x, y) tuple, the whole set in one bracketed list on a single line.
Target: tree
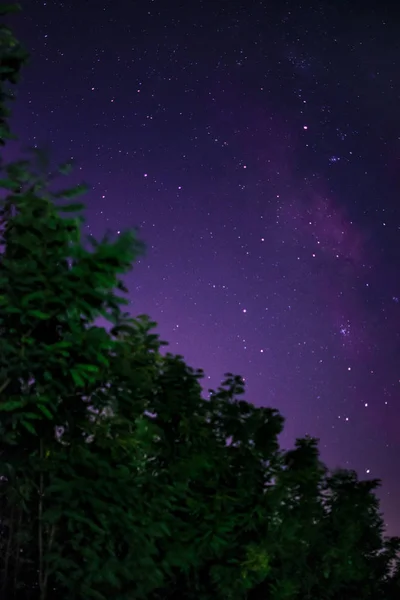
[(125, 478), (55, 365), (13, 58), (222, 454), (359, 559), (52, 357), (135, 430), (295, 529)]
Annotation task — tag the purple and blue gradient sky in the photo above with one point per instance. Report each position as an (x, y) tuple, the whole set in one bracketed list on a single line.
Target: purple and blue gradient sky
[(258, 150)]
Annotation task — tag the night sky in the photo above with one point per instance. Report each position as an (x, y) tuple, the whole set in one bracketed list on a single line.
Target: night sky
[(257, 148)]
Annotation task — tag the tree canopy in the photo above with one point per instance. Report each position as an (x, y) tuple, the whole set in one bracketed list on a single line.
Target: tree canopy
[(119, 480)]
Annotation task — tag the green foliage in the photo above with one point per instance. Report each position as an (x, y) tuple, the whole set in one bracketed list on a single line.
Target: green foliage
[(13, 58)]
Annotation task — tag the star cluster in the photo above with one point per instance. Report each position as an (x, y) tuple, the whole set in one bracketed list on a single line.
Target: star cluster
[(257, 149)]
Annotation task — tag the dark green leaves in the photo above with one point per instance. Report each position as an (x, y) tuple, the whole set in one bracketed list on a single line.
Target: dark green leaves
[(28, 426), (43, 409), (11, 405), (65, 168), (7, 9), (71, 207), (78, 190), (9, 184)]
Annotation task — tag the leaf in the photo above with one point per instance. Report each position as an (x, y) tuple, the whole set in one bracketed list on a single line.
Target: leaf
[(31, 297), (45, 411), (6, 9), (84, 520), (65, 168), (39, 315), (9, 184), (76, 207), (62, 344), (73, 192), (90, 368), (29, 427), (32, 416), (78, 380), (11, 405)]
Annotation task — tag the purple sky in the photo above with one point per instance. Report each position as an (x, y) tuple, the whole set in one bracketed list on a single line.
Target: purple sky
[(258, 151)]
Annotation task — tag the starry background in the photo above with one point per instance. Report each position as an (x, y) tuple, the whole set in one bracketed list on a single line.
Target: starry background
[(256, 145)]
